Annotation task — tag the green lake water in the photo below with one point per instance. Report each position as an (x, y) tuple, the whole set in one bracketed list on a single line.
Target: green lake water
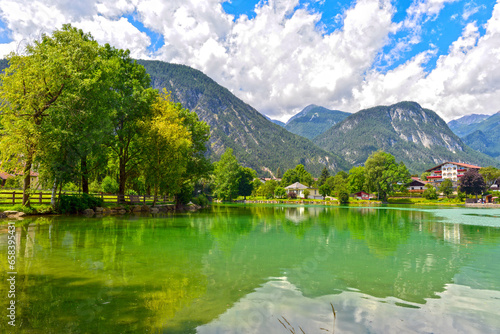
[(258, 269)]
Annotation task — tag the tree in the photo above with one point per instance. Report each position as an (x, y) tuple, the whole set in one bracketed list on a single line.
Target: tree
[(268, 188), (167, 143), (325, 174), (279, 192), (298, 174), (446, 187), (227, 174), (306, 193), (36, 86), (278, 173), (472, 183), (356, 181), (490, 175), (324, 190), (424, 175), (430, 192), (384, 175), (132, 102), (245, 186)]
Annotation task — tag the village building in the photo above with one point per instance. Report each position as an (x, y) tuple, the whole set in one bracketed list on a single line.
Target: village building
[(361, 195), (417, 185), (3, 178), (448, 170), (299, 189)]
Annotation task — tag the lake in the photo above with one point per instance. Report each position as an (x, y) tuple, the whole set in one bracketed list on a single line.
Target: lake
[(258, 269)]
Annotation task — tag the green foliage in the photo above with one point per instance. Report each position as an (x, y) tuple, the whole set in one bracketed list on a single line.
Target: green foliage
[(13, 183), (292, 195), (26, 209), (246, 177), (314, 120), (267, 189), (95, 187), (306, 193), (200, 200), (343, 196), (279, 192), (325, 190), (446, 188), (430, 192), (227, 176), (490, 175), (298, 174), (384, 175), (356, 181), (70, 186), (77, 203), (109, 185), (325, 174), (185, 194), (424, 175)]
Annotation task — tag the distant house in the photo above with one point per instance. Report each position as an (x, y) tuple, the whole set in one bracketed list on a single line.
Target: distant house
[(265, 179), (299, 189), (361, 195), (417, 185), (3, 178), (449, 170)]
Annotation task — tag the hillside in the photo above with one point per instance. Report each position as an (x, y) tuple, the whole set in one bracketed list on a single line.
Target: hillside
[(485, 136), (466, 125), (257, 142), (416, 136), (313, 120)]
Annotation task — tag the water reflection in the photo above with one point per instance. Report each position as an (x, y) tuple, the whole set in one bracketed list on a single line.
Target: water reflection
[(241, 267)]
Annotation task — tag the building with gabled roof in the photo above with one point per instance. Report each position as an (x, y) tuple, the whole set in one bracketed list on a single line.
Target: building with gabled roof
[(299, 189), (449, 170)]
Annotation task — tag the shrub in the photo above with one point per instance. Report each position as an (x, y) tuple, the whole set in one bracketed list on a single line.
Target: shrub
[(94, 187), (26, 209), (280, 192), (131, 192), (13, 183), (343, 197), (306, 193), (70, 186), (292, 195), (430, 192), (78, 203), (109, 185)]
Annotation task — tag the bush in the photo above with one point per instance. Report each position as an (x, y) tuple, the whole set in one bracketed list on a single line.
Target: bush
[(70, 186), (94, 187), (26, 209), (200, 200), (430, 192), (109, 185), (343, 197), (131, 192), (280, 192), (292, 195), (306, 193), (78, 203), (13, 183)]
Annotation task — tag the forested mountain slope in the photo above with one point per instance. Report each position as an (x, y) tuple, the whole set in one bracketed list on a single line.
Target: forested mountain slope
[(313, 120), (416, 136), (257, 142), (485, 136)]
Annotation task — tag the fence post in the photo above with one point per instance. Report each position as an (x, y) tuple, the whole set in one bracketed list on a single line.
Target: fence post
[(40, 201), (13, 197), (144, 199)]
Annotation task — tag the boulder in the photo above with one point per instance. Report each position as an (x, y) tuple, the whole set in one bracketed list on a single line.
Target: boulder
[(154, 210), (136, 208), (99, 209), (88, 212)]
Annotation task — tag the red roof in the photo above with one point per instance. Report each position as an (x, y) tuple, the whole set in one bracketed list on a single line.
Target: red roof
[(5, 176), (454, 163)]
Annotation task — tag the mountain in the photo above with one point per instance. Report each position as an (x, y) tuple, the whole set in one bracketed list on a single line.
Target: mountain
[(485, 136), (466, 124), (257, 142), (416, 136), (314, 120), (280, 123)]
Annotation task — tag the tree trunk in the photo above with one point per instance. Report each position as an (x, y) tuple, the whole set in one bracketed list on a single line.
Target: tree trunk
[(155, 197), (122, 181), (53, 195), (27, 180), (85, 176)]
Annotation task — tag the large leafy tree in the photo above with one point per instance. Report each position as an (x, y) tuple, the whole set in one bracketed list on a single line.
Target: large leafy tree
[(490, 175), (298, 174), (446, 187), (245, 186), (472, 183), (132, 106), (37, 85), (167, 143), (384, 175), (356, 181), (227, 176)]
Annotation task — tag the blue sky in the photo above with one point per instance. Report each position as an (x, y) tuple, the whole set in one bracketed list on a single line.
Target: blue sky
[(282, 55)]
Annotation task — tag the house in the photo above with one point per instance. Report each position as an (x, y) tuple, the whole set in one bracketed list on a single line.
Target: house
[(448, 170), (299, 189), (416, 185), (265, 179), (361, 195), (3, 178)]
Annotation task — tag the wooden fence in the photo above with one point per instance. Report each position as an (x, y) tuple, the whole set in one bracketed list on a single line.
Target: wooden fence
[(16, 197)]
